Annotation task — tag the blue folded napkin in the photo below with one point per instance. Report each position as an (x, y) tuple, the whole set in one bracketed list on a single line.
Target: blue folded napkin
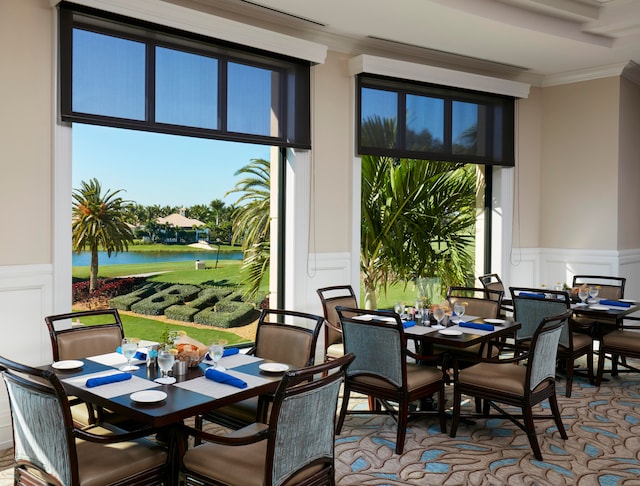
[(221, 377), (103, 380), (477, 325), (138, 355), (535, 295), (406, 324), (225, 353), (614, 302)]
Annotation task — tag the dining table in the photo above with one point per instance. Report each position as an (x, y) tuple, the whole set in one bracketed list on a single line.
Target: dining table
[(160, 406)]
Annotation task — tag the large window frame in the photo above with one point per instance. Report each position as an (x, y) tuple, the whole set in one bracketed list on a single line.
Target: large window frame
[(495, 133), (291, 89)]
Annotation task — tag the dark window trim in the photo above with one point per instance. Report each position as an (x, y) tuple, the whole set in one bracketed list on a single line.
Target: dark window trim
[(404, 87), (294, 97)]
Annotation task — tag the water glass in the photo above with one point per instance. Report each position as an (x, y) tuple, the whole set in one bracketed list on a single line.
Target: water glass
[(438, 313), (583, 294), (129, 347), (459, 308), (594, 290), (166, 358), (216, 350)]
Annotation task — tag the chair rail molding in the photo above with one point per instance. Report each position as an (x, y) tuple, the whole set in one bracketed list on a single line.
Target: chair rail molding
[(546, 266), (26, 296)]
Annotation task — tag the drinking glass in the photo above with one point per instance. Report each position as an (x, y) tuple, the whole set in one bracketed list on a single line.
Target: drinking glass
[(397, 307), (165, 362), (594, 290), (583, 294), (419, 310), (459, 308), (129, 348), (216, 349), (438, 313)]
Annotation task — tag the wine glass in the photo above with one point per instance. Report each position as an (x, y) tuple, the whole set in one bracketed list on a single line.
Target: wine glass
[(397, 307), (583, 294), (166, 358), (216, 349), (419, 310), (438, 313), (129, 348), (459, 308), (594, 290)]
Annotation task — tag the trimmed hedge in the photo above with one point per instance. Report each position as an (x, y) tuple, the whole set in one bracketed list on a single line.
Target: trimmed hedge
[(156, 304), (124, 302), (208, 297), (181, 312), (227, 314), (183, 292)]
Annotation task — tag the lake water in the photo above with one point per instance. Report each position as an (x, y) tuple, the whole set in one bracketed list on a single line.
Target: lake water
[(132, 257)]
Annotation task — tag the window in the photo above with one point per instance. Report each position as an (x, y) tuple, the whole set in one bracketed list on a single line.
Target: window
[(128, 73), (416, 120)]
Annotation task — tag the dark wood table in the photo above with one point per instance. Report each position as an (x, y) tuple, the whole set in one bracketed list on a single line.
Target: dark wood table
[(180, 403), (617, 313)]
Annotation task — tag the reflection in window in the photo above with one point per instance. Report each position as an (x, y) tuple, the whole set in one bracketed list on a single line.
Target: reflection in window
[(465, 125), (108, 75), (186, 89), (379, 118), (252, 100), (425, 123)]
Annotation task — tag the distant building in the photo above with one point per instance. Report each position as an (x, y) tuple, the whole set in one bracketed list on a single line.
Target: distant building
[(179, 220)]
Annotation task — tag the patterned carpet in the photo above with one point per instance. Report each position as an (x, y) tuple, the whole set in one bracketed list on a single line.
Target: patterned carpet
[(603, 425), (603, 448)]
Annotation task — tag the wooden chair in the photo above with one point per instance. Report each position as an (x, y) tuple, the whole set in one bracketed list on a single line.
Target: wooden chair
[(380, 369), (624, 343), (331, 297), (530, 306), (50, 450), (492, 281), (295, 447), (283, 336), (69, 342), (499, 381)]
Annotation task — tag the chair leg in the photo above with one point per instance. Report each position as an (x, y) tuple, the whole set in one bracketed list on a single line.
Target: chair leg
[(600, 366), (403, 418), (457, 398), (590, 367), (557, 418), (343, 409), (443, 418), (569, 371), (530, 428)]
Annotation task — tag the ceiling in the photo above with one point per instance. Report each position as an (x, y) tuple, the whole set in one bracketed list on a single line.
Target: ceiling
[(535, 41)]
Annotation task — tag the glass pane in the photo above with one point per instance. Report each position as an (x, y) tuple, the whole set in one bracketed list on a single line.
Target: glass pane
[(379, 118), (108, 75), (186, 89), (253, 102), (425, 123), (466, 129)]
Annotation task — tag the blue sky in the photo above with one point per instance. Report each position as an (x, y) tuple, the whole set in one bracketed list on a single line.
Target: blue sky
[(160, 169)]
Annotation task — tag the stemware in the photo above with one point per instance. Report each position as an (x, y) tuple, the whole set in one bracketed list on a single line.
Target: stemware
[(129, 348), (216, 349), (583, 294), (459, 309), (438, 314), (594, 290), (419, 306), (166, 358)]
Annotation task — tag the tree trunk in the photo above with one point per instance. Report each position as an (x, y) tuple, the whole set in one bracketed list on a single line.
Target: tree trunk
[(370, 301), (93, 281)]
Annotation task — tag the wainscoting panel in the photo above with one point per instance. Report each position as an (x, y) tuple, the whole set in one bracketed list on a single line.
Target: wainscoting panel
[(26, 296)]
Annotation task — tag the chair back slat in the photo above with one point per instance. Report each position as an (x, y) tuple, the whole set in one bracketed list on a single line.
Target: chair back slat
[(303, 420), (287, 336), (529, 309), (544, 349), (41, 428), (332, 297)]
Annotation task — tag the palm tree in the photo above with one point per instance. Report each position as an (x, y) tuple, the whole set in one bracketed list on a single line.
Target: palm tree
[(252, 221), (99, 222)]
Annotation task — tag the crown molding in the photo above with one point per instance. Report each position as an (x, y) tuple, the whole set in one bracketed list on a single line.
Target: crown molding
[(212, 26), (583, 75), (436, 75)]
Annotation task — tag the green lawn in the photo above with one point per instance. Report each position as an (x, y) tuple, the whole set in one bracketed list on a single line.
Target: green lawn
[(151, 329)]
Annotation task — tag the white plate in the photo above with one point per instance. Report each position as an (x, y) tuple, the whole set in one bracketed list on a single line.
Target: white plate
[(599, 307), (495, 321), (274, 367), (69, 364), (450, 332), (628, 301), (148, 396)]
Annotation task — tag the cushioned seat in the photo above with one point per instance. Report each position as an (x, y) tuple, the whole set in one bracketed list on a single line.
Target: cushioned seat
[(508, 381), (381, 371), (623, 342), (49, 449), (296, 447)]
